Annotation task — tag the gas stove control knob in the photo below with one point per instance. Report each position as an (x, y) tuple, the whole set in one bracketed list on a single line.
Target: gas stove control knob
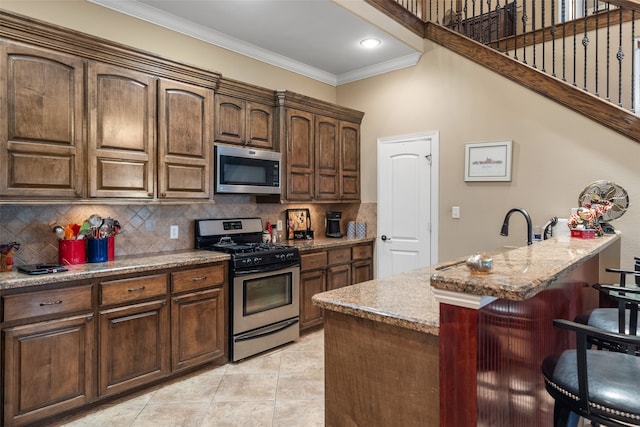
[(257, 260)]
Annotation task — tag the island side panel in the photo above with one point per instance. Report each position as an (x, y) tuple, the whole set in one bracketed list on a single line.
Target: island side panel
[(507, 341), (458, 365), (378, 374)]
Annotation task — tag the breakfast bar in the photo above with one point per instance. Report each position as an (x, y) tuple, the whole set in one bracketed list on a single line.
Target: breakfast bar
[(441, 346)]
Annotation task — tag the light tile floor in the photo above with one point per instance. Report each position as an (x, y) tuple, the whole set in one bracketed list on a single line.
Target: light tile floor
[(283, 387)]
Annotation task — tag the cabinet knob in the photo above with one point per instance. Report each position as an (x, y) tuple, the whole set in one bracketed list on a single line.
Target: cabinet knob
[(150, 194), (163, 195)]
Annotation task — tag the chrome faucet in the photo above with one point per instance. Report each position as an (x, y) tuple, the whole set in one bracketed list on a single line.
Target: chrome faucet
[(505, 225)]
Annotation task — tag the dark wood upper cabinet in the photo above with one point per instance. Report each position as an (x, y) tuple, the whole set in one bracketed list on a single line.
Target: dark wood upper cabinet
[(184, 140), (41, 123), (327, 156), (244, 115), (300, 154), (349, 171), (122, 118), (322, 153)]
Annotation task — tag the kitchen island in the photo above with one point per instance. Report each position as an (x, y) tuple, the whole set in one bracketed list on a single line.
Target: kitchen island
[(440, 346)]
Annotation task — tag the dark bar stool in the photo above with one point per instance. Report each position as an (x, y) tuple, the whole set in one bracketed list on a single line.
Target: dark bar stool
[(599, 385), (613, 319)]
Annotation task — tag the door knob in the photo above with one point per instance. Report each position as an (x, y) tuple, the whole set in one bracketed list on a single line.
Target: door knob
[(384, 238)]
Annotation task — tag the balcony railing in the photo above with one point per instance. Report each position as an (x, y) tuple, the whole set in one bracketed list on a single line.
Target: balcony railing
[(590, 44)]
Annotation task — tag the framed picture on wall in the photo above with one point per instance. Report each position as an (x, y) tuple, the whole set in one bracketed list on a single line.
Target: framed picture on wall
[(487, 161)]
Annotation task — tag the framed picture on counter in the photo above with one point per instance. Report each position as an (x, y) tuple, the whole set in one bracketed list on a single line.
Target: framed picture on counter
[(487, 161)]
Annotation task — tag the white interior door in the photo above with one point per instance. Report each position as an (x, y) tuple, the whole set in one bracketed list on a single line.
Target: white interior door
[(407, 203)]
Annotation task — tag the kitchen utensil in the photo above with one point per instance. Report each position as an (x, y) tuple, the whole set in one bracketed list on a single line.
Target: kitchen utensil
[(58, 230)]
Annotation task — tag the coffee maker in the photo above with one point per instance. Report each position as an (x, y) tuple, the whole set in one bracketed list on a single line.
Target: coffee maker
[(333, 224)]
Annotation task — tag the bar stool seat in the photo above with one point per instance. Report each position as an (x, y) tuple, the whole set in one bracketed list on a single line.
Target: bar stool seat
[(599, 385)]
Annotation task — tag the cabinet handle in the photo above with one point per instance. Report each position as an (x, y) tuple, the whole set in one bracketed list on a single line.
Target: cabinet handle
[(150, 194), (90, 318), (199, 279), (51, 303), (141, 288)]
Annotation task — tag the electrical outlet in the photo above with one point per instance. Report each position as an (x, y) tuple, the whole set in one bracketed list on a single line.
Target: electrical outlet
[(279, 224), (455, 212), (173, 232)]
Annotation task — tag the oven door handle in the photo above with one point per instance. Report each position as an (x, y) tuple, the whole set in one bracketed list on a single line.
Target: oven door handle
[(269, 330), (265, 268)]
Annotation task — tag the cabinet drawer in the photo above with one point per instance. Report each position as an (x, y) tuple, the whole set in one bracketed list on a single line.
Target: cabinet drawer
[(338, 256), (313, 261), (41, 303), (137, 288), (198, 278), (362, 252)]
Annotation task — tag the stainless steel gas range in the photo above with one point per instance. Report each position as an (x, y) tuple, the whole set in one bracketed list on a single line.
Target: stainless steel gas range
[(264, 279)]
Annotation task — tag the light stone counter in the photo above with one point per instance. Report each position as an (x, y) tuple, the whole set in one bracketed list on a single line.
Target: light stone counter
[(521, 273), (129, 264), (405, 300), (325, 243)]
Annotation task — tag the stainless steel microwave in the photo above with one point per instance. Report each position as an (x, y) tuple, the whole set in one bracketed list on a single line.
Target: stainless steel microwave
[(247, 170)]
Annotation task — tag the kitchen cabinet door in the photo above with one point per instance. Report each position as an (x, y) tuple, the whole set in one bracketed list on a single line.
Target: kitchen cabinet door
[(300, 155), (349, 173), (133, 346), (48, 368), (185, 128), (197, 328), (327, 159), (361, 271), (122, 123), (311, 283), (230, 119), (41, 123), (338, 276), (259, 125)]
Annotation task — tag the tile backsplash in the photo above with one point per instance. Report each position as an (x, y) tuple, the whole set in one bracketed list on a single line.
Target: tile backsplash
[(145, 227)]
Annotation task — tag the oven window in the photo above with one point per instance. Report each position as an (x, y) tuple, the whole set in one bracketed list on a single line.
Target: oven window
[(267, 293)]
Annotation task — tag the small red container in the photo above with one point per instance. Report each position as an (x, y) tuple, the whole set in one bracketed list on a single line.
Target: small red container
[(111, 248), (583, 234), (71, 252)]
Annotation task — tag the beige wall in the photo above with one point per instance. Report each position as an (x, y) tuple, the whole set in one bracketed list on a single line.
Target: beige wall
[(556, 152)]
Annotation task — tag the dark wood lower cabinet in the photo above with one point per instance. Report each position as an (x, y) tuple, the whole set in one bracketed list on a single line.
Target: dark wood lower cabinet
[(311, 283), (326, 270), (48, 368), (133, 342), (197, 327)]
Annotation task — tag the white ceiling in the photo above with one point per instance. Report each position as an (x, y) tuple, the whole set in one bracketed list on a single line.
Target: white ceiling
[(316, 38)]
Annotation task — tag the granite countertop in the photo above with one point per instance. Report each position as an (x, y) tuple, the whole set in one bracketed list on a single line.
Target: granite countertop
[(408, 299), (326, 243), (521, 273), (404, 300), (121, 265), (148, 262)]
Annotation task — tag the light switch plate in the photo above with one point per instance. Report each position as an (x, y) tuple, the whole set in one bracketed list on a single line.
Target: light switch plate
[(455, 212), (279, 224), (173, 232)]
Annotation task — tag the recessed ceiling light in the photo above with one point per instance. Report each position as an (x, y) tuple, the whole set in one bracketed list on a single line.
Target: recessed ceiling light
[(370, 43)]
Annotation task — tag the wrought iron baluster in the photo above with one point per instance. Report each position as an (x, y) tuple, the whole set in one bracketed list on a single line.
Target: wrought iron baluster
[(596, 7), (554, 31), (575, 47), (544, 42), (524, 32), (608, 97), (515, 29), (533, 31), (620, 57), (564, 40), (633, 60), (585, 44)]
